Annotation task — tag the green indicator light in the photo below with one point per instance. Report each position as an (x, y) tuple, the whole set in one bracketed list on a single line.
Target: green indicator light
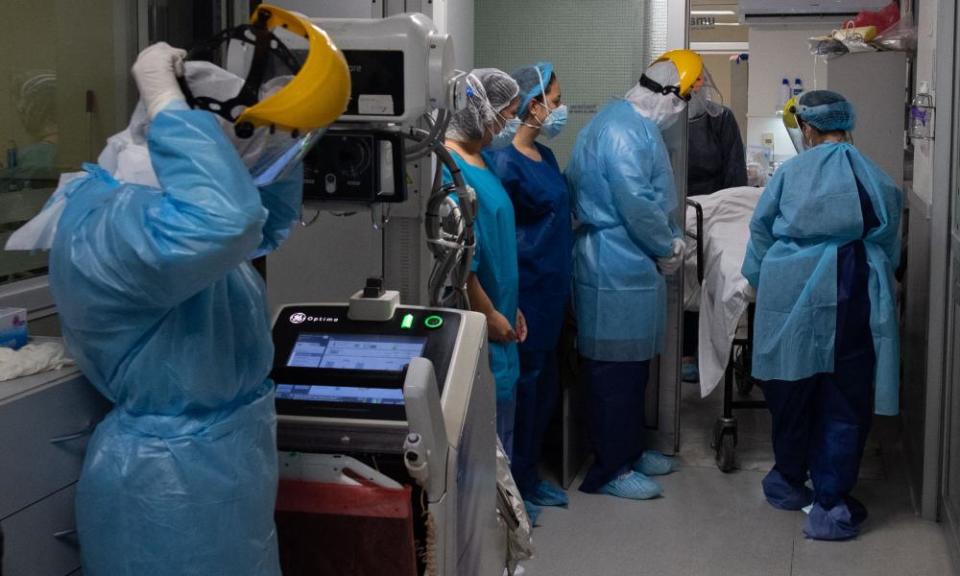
[(407, 322), (433, 322)]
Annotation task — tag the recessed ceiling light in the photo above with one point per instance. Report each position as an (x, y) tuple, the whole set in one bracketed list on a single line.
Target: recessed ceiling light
[(712, 13)]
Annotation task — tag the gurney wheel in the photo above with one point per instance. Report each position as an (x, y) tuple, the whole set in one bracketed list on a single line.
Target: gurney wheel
[(726, 453)]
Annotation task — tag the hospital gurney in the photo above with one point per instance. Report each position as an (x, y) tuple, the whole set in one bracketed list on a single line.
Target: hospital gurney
[(719, 224)]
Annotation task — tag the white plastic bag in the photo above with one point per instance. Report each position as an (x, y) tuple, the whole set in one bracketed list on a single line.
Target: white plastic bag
[(32, 359)]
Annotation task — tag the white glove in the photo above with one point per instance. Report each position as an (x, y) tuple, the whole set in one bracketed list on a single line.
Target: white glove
[(670, 264), (155, 72)]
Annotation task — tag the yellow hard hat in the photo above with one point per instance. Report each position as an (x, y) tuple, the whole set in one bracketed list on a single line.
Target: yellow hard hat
[(318, 94), (689, 66)]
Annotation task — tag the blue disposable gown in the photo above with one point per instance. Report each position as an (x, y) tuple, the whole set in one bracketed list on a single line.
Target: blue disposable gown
[(621, 176), (495, 264), (809, 209), (168, 320), (541, 201)]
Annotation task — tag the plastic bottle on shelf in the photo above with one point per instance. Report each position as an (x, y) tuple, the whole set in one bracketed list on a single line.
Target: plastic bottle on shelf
[(921, 114), (784, 93), (797, 87)]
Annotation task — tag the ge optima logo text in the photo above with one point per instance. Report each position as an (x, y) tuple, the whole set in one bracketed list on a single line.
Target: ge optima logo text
[(300, 318)]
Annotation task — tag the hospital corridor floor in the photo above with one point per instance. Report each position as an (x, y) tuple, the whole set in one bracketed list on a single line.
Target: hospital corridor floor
[(712, 524)]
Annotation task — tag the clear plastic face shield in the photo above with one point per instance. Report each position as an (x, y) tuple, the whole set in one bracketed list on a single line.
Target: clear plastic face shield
[(280, 164), (705, 98), (796, 137), (264, 60), (793, 124)]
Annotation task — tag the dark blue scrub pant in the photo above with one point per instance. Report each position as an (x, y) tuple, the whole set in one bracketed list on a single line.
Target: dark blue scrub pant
[(538, 390), (820, 424), (616, 398)]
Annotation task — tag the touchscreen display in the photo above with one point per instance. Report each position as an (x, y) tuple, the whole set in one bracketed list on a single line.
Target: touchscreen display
[(376, 352), (392, 396)]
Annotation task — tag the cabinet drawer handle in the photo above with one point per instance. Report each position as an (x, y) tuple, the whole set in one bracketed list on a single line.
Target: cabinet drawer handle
[(69, 536), (75, 436)]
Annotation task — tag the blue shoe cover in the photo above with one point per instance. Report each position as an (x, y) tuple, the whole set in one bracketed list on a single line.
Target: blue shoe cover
[(689, 372), (632, 485), (785, 495), (838, 523), (547, 494), (533, 511), (654, 463)]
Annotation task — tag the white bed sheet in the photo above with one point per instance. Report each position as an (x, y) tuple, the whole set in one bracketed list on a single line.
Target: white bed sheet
[(723, 297)]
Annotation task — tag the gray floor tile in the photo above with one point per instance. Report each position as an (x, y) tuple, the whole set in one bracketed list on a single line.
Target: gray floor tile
[(894, 540), (714, 524), (707, 523)]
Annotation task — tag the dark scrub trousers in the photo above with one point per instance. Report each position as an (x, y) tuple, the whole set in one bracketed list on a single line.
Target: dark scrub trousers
[(616, 406), (541, 203), (820, 424), (538, 390)]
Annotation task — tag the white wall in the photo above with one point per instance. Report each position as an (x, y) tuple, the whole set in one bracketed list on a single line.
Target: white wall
[(455, 17), (778, 52), (925, 65), (593, 63)]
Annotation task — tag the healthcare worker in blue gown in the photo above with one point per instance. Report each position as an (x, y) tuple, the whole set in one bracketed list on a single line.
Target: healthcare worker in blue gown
[(168, 320), (824, 242), (624, 191), (541, 202), (493, 285)]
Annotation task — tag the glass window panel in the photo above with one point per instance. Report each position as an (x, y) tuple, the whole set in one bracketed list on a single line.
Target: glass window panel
[(64, 88), (615, 40)]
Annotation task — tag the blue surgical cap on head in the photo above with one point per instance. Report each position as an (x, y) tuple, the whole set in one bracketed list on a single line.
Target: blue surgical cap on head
[(826, 111), (530, 87)]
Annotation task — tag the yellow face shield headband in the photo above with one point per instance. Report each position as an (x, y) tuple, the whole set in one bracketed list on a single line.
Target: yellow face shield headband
[(315, 97)]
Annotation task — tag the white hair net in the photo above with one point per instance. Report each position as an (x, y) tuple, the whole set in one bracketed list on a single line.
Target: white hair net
[(126, 156), (662, 109), (489, 92)]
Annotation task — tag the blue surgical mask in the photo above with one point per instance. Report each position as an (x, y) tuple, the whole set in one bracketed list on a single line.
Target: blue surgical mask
[(505, 137), (554, 123), (557, 118)]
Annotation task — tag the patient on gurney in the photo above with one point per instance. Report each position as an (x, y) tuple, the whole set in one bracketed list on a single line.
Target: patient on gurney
[(715, 161), (724, 294)]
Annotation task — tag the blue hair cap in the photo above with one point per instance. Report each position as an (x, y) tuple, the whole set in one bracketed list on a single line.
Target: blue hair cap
[(826, 110), (529, 78)]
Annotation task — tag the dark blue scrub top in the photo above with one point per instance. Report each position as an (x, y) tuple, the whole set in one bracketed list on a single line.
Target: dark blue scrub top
[(541, 201)]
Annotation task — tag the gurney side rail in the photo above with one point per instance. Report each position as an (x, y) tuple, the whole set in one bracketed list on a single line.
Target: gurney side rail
[(698, 236)]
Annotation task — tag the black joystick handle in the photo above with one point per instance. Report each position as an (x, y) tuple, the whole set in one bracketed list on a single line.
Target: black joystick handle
[(374, 288)]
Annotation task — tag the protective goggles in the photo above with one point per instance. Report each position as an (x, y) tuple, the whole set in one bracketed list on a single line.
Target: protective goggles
[(275, 44), (658, 88), (268, 51)]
